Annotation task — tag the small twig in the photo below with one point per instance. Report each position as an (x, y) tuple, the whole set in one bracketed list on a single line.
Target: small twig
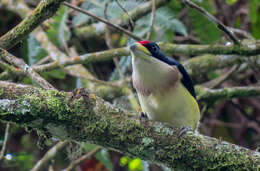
[(218, 122), (109, 42), (241, 32), (103, 20), (216, 82), (82, 158), (131, 22), (213, 19), (127, 90), (26, 68), (49, 155), (43, 60), (8, 68), (3, 150), (148, 36)]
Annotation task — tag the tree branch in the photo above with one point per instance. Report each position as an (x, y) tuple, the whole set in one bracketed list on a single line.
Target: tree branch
[(121, 29), (44, 10), (205, 94), (3, 150), (82, 116), (135, 14), (51, 153), (26, 68), (73, 164), (205, 63), (214, 20)]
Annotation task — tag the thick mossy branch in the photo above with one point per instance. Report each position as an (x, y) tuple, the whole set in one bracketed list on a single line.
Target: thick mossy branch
[(45, 10), (82, 116)]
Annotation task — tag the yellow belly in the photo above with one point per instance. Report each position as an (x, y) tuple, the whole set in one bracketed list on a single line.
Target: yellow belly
[(176, 107)]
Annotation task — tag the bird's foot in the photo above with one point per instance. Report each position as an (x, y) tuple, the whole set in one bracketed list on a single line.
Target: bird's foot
[(143, 117), (184, 130)]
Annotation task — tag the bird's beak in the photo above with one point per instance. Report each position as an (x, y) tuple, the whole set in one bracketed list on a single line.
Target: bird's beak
[(140, 51)]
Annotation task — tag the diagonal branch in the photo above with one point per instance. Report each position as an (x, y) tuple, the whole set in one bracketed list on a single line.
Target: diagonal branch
[(211, 18), (50, 154), (26, 68), (83, 158), (82, 116), (135, 14), (44, 10), (6, 137), (127, 32)]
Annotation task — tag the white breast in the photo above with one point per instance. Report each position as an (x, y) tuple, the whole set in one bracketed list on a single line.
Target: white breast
[(176, 107), (161, 94)]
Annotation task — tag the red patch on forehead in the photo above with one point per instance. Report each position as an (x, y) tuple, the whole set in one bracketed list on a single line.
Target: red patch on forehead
[(144, 42)]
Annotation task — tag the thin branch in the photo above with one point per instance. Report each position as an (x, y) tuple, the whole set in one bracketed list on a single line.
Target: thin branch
[(131, 22), (109, 42), (82, 159), (216, 82), (213, 19), (141, 10), (195, 66), (26, 68), (43, 60), (4, 146), (127, 88), (213, 61), (206, 94), (103, 20), (148, 36), (243, 33), (51, 153)]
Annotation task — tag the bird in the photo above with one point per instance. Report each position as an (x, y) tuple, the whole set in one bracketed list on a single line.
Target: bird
[(164, 88)]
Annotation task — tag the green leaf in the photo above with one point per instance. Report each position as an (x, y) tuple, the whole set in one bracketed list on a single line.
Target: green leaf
[(57, 73), (231, 2), (165, 18), (32, 51), (204, 29), (254, 17), (59, 32), (253, 10), (165, 24), (97, 7), (102, 156), (124, 63)]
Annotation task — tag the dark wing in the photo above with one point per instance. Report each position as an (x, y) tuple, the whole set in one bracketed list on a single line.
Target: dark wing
[(186, 80)]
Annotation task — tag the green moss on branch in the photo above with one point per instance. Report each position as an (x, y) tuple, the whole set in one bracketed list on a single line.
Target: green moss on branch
[(82, 116), (205, 94), (45, 10)]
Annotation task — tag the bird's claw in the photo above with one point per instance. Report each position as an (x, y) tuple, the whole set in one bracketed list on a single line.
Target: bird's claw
[(143, 117), (184, 130)]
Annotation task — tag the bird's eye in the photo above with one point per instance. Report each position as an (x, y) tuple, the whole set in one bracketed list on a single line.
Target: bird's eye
[(154, 48)]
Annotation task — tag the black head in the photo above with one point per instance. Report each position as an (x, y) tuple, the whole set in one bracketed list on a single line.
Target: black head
[(152, 47)]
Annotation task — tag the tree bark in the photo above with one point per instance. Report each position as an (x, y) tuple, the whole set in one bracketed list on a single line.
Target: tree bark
[(82, 116)]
